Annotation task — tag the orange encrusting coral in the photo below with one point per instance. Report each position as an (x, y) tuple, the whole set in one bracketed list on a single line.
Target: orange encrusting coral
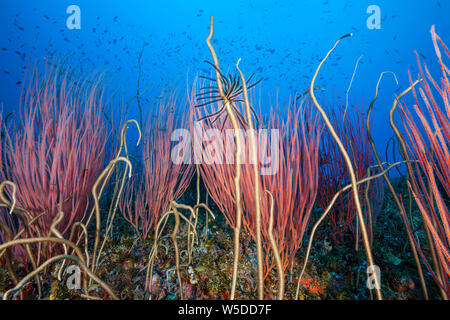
[(311, 285)]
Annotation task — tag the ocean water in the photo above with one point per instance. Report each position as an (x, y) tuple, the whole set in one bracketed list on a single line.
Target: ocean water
[(158, 48), (281, 42)]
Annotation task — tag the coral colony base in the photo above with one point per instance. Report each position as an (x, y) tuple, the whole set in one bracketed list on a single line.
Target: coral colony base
[(223, 202)]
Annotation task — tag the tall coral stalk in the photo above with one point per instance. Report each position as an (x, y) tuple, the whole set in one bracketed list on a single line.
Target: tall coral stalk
[(349, 165), (233, 116)]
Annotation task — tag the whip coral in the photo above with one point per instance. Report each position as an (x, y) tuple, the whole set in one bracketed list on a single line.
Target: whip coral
[(294, 186), (162, 180), (429, 134), (293, 183), (333, 174), (56, 152)]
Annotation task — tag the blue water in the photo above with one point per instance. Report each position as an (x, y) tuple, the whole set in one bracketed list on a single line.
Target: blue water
[(281, 42)]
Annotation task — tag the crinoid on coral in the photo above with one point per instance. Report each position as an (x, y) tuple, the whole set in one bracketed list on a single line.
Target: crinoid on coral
[(237, 188), (288, 148), (233, 90)]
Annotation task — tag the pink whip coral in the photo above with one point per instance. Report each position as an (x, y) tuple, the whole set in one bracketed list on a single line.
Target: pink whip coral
[(429, 136), (293, 186), (162, 179), (334, 174), (56, 152), (292, 157)]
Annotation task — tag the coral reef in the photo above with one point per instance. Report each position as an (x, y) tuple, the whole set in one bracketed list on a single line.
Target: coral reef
[(250, 225)]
